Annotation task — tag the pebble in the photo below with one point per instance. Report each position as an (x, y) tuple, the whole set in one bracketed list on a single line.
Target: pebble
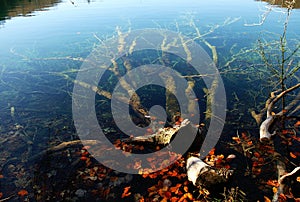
[(80, 192)]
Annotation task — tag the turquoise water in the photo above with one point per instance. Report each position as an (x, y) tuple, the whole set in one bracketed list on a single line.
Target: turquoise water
[(35, 52)]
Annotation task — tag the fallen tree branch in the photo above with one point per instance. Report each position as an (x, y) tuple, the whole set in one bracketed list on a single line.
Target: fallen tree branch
[(201, 174), (265, 126), (163, 136), (63, 146), (281, 186)]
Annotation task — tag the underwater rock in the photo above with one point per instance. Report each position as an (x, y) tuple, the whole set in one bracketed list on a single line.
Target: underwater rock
[(80, 193)]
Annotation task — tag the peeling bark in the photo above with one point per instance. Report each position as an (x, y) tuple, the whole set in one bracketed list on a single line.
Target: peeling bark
[(201, 174)]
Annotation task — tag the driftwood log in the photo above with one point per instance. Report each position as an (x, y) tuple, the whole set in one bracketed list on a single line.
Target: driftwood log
[(266, 124), (162, 137), (199, 173), (203, 175), (265, 134)]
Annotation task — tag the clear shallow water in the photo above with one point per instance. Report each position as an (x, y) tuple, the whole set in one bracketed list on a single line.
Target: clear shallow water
[(33, 51), (68, 29)]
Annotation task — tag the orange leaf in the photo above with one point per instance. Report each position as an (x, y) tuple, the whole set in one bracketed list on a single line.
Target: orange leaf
[(297, 123), (1, 176), (22, 192), (298, 179), (1, 194), (273, 183), (174, 199), (293, 155), (189, 196), (266, 199), (237, 139), (152, 189), (83, 158), (186, 189), (126, 192), (212, 152)]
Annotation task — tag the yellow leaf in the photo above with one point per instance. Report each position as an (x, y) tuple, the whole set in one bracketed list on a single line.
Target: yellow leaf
[(274, 190)]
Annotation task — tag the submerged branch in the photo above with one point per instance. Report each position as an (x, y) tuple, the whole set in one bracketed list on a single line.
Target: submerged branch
[(265, 126)]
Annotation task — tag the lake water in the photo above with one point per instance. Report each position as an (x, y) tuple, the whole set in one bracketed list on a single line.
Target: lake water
[(43, 44)]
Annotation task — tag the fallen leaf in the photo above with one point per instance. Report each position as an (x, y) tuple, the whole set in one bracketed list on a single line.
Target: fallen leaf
[(174, 199), (186, 189), (266, 199), (23, 192), (273, 183), (168, 194), (256, 154), (293, 155), (126, 192), (274, 189), (212, 152)]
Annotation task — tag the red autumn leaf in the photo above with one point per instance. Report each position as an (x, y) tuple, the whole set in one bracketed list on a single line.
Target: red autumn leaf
[(284, 132), (168, 194), (1, 194), (212, 152), (256, 154), (23, 192), (126, 192)]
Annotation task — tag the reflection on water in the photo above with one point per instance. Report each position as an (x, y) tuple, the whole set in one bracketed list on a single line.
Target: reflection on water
[(282, 3), (13, 8)]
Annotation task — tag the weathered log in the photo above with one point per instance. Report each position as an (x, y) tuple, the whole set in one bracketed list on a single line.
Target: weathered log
[(201, 174), (162, 137)]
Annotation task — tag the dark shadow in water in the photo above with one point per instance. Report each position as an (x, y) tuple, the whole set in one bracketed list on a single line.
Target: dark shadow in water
[(13, 8)]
